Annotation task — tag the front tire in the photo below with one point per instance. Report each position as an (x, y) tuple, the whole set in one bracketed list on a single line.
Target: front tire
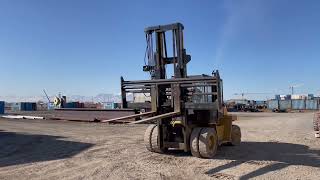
[(208, 142), (194, 142)]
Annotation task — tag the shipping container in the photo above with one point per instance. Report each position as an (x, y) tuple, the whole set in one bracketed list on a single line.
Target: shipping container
[(70, 105), (26, 106), (242, 101), (312, 104), (108, 105), (284, 105), (117, 105), (51, 106), (288, 97), (90, 105), (310, 96), (277, 97), (283, 97), (298, 96), (141, 97), (298, 104), (15, 106), (2, 107), (273, 104), (74, 105)]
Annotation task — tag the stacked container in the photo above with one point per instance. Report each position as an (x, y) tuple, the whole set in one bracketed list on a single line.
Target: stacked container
[(74, 105), (284, 105), (2, 107), (273, 104), (298, 104), (108, 105), (28, 106), (311, 104)]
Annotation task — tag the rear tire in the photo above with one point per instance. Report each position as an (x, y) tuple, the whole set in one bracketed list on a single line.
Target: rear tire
[(194, 142), (208, 142), (316, 122), (235, 135)]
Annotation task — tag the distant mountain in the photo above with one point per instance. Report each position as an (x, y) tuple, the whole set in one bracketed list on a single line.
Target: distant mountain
[(24, 98), (97, 98)]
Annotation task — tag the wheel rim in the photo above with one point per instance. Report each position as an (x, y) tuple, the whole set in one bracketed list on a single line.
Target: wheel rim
[(211, 142)]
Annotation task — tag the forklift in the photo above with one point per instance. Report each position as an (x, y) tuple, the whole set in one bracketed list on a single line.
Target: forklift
[(188, 109)]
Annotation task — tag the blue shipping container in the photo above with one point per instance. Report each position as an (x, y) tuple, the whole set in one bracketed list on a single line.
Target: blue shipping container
[(28, 106), (312, 104), (298, 104), (70, 105), (284, 104), (22, 106), (73, 105), (273, 104), (2, 107)]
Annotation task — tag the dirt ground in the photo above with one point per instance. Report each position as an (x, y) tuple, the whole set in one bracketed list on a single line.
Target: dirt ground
[(275, 146)]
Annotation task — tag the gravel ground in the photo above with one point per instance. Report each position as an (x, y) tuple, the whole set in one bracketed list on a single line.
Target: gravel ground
[(275, 146)]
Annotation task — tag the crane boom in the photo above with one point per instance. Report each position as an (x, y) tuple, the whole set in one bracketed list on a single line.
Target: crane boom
[(46, 95)]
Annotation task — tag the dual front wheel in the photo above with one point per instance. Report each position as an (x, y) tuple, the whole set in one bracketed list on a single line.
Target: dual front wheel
[(204, 141)]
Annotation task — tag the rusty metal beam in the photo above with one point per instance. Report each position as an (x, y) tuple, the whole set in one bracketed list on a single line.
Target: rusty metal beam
[(128, 117), (171, 114)]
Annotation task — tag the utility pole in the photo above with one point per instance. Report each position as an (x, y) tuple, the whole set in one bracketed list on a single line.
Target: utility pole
[(294, 86)]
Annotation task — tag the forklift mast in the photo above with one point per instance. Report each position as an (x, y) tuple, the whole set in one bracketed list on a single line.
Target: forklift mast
[(158, 56), (158, 59)]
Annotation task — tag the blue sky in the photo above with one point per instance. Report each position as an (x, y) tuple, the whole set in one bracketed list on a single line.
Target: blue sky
[(83, 47)]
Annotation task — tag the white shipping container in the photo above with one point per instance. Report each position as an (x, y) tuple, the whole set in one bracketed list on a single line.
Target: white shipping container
[(298, 96), (140, 97)]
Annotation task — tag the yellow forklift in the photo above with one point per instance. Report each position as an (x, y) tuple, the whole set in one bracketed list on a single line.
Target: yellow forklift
[(188, 109)]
